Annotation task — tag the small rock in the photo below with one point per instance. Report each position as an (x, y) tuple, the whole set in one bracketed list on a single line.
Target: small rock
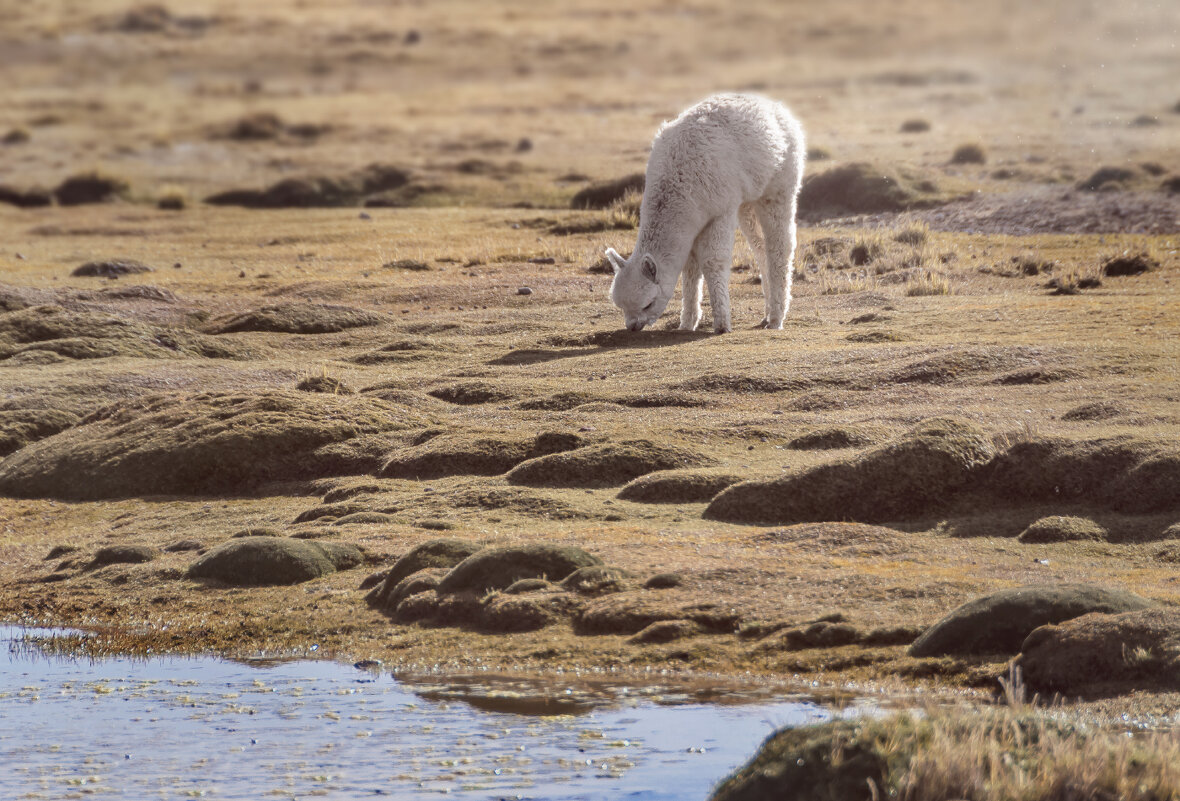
[(524, 290)]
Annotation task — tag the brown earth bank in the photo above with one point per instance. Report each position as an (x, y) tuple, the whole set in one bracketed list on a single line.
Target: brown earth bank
[(305, 340)]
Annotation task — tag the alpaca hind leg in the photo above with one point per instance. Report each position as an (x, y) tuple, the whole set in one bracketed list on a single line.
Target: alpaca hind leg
[(690, 305), (714, 247), (778, 230)]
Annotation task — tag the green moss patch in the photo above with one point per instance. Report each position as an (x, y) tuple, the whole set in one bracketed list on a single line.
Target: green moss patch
[(603, 465), (212, 443)]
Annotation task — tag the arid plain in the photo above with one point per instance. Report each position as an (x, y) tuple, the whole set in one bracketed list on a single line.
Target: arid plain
[(391, 310)]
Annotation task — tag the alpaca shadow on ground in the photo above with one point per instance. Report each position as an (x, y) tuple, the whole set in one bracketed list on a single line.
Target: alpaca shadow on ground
[(566, 347)]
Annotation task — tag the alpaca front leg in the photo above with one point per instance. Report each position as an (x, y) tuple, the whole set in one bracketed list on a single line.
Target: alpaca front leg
[(714, 246), (690, 306)]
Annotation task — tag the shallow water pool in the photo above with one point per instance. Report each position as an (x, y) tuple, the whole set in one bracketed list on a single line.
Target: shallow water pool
[(213, 728)]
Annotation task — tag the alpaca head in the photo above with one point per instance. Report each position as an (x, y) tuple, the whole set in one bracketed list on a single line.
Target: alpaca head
[(636, 289)]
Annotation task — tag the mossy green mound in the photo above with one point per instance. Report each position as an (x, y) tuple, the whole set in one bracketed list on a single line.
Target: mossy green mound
[(199, 444), (605, 465), (1130, 474), (77, 334), (677, 486), (441, 553), (463, 454), (1105, 654), (596, 580), (1059, 528), (387, 598), (19, 427), (499, 568), (998, 623), (986, 754), (919, 472), (831, 439), (267, 561), (298, 318)]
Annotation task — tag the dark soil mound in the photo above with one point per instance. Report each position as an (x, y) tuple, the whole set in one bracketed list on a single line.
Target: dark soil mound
[(602, 195), (291, 318), (969, 154), (1108, 178), (123, 554), (606, 465), (663, 581), (212, 444), (25, 198), (471, 394), (498, 568), (1132, 264), (111, 269), (443, 553), (998, 623), (94, 335), (1124, 473), (831, 439), (1105, 654), (454, 455), (1062, 529), (677, 486), (267, 561), (317, 191), (91, 187), (19, 427), (861, 188), (913, 475)]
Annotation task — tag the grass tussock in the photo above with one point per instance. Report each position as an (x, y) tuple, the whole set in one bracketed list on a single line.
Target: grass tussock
[(929, 282), (979, 754)]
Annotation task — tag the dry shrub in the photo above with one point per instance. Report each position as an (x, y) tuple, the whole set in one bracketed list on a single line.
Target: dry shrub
[(928, 282)]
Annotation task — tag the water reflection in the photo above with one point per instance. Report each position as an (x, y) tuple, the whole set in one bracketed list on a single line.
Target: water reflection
[(193, 727)]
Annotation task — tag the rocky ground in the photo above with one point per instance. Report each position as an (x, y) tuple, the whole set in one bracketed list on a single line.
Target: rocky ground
[(316, 351)]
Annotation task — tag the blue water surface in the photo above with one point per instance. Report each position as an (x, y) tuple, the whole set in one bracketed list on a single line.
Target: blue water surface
[(178, 727)]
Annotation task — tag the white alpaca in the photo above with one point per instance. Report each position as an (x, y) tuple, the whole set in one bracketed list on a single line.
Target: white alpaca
[(730, 160)]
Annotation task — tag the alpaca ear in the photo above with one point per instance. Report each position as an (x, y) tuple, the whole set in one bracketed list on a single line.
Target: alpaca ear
[(649, 268), (616, 261)]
